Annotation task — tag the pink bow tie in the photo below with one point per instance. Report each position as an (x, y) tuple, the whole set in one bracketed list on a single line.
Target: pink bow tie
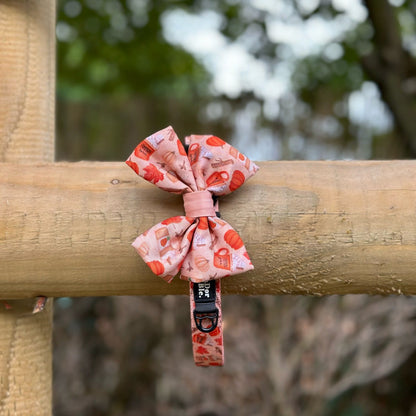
[(200, 245)]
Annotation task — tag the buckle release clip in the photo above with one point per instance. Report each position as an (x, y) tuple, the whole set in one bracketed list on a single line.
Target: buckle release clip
[(205, 313)]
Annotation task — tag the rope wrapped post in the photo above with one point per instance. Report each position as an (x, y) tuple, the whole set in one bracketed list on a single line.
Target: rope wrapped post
[(27, 124)]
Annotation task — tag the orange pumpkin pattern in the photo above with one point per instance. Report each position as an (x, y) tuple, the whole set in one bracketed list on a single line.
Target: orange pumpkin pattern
[(237, 180), (232, 238), (156, 267)]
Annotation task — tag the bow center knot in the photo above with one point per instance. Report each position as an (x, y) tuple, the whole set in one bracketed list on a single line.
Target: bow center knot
[(198, 204)]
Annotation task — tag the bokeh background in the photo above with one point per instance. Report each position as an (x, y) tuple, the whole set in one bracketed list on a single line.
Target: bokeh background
[(280, 79)]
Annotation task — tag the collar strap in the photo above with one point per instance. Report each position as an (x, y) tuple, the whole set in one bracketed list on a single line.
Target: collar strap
[(206, 323), (205, 297), (198, 245)]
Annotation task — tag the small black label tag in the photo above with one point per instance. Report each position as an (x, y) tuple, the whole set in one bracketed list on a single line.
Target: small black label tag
[(204, 292), (206, 313)]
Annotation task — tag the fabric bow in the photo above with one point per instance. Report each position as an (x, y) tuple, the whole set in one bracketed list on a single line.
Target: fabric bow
[(199, 245)]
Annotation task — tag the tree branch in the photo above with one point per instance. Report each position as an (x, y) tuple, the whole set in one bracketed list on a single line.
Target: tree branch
[(389, 65)]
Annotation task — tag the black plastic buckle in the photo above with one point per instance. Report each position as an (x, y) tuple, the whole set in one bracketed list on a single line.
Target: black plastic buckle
[(205, 311)]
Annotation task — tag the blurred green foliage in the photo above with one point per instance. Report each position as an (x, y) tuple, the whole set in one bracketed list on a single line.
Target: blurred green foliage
[(120, 79), (112, 52), (111, 47)]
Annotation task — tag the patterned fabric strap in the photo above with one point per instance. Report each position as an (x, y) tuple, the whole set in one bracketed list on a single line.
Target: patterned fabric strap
[(199, 245)]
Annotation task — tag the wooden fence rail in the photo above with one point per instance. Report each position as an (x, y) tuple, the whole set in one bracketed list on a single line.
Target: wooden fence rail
[(310, 228)]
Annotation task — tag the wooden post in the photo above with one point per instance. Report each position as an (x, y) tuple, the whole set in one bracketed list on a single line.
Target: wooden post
[(27, 120), (310, 228)]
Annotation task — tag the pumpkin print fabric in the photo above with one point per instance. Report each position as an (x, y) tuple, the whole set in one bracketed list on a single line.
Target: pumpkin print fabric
[(200, 248)]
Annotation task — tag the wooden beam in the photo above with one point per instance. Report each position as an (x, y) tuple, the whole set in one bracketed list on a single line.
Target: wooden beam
[(27, 127), (310, 227)]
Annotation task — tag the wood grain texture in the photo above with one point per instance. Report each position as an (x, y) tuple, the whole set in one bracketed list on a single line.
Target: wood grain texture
[(26, 361), (27, 81), (27, 114), (310, 228)]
